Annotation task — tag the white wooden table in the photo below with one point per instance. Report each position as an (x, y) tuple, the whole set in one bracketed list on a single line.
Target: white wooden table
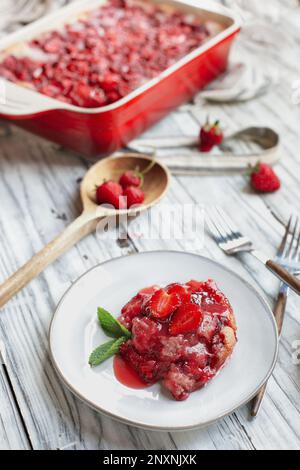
[(39, 196)]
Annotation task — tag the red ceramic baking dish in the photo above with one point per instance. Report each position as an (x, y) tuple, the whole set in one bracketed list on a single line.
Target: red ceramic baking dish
[(94, 131)]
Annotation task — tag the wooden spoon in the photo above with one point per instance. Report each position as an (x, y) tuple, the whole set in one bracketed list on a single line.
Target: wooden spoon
[(156, 181)]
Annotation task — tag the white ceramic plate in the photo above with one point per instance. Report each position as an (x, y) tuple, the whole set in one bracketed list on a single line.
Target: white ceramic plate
[(75, 332)]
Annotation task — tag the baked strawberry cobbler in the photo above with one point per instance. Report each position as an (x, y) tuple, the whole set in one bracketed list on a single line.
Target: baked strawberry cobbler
[(182, 334), (104, 54)]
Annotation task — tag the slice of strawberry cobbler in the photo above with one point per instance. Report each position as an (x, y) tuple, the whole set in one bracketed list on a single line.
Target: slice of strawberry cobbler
[(182, 334)]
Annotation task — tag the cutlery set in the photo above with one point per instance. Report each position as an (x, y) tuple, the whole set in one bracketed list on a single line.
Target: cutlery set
[(286, 267), (288, 249), (232, 241)]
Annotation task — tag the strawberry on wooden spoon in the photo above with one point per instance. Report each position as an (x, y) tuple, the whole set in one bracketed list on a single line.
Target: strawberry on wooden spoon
[(135, 177), (134, 195), (111, 192), (131, 178)]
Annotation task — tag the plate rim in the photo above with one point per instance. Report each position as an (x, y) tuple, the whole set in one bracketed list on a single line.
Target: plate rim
[(139, 424)]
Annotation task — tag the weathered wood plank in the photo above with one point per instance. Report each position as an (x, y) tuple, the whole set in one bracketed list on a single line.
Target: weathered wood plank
[(12, 433)]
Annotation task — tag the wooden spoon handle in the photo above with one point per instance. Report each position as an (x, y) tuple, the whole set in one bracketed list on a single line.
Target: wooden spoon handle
[(284, 275), (82, 226)]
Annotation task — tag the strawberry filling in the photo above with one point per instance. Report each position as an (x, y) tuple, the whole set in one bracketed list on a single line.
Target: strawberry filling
[(181, 334), (186, 319), (162, 303)]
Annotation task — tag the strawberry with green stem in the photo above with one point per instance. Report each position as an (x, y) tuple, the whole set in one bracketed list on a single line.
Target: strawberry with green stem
[(263, 178), (128, 192), (132, 182), (131, 178), (134, 177), (210, 135)]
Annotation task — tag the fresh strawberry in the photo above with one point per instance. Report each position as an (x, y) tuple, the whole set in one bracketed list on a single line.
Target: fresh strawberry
[(110, 192), (186, 319), (180, 290), (130, 178), (264, 179), (149, 290), (134, 196), (210, 135), (162, 304)]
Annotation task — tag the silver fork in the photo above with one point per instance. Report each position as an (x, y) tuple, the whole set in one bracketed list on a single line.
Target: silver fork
[(288, 248), (232, 241)]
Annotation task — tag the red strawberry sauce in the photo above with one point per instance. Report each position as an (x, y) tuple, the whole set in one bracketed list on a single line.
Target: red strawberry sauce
[(126, 374), (182, 334)]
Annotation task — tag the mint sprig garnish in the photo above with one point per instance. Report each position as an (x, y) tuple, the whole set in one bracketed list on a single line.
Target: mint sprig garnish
[(111, 326), (114, 329), (105, 351)]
